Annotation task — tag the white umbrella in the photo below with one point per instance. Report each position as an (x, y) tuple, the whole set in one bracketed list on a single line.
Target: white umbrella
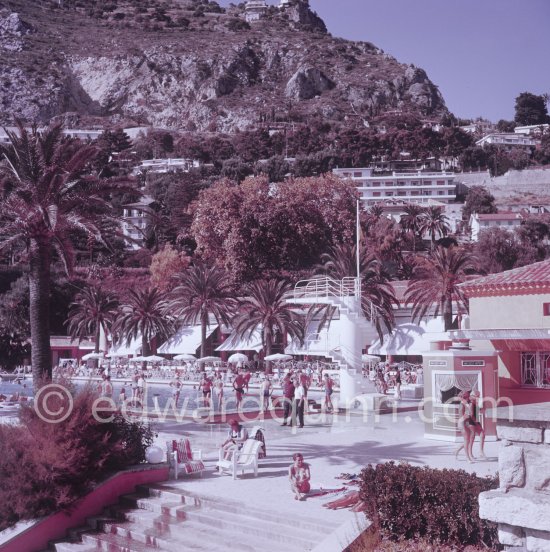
[(93, 356), (154, 358), (278, 356), (210, 359), (115, 354), (137, 359), (237, 357), (370, 358), (185, 356)]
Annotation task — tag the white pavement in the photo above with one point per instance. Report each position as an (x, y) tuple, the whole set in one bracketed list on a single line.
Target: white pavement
[(332, 444)]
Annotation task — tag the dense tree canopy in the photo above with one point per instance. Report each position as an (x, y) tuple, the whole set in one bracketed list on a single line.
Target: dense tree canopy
[(531, 109), (478, 200), (255, 226)]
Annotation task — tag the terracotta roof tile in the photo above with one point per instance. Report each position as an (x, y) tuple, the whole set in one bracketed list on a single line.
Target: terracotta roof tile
[(528, 277), (500, 216)]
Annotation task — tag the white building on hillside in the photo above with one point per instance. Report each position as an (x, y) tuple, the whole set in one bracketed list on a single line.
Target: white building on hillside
[(166, 165), (254, 10), (508, 140), (479, 223), (532, 130), (136, 219), (410, 187)]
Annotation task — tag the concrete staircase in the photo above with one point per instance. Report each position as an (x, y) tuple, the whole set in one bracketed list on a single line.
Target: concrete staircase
[(161, 518)]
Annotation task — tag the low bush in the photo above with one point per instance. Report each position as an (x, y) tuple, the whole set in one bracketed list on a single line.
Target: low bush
[(45, 467), (440, 506)]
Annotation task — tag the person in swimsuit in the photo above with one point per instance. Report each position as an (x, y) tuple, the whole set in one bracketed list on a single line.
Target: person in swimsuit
[(265, 393), (236, 437), (218, 387), (176, 385), (475, 425), (465, 413), (328, 383), (206, 388), (238, 385), (299, 476)]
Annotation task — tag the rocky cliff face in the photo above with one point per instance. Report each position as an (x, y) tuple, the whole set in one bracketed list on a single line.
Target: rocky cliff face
[(206, 72)]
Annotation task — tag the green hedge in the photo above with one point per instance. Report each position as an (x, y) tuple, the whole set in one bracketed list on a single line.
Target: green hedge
[(441, 506)]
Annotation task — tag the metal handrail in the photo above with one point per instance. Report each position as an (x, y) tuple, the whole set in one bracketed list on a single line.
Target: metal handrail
[(327, 287)]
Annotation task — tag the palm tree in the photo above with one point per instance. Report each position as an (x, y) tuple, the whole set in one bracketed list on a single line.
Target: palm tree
[(377, 296), (145, 314), (265, 307), (203, 290), (411, 221), (435, 282), (93, 310), (434, 222), (46, 199)]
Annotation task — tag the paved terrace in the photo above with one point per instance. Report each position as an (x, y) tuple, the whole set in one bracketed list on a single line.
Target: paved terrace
[(331, 444)]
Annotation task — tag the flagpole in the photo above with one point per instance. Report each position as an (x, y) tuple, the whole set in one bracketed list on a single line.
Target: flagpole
[(358, 234)]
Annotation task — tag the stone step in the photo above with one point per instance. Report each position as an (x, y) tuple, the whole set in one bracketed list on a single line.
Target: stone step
[(186, 535), (303, 522), (115, 543), (193, 530), (72, 547), (211, 519)]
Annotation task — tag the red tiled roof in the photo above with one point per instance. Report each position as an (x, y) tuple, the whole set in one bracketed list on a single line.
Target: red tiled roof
[(499, 216), (526, 279)]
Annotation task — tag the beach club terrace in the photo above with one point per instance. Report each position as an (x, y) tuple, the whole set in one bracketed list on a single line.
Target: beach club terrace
[(510, 313)]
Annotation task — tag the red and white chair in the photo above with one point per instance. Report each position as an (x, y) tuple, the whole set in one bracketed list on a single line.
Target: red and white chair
[(183, 459)]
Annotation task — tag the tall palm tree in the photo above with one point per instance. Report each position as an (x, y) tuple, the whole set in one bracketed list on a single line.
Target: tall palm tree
[(264, 307), (47, 197), (145, 314), (434, 222), (203, 290), (377, 296), (93, 310), (435, 280), (411, 221)]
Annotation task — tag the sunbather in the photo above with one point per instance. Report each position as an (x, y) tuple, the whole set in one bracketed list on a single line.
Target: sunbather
[(299, 476)]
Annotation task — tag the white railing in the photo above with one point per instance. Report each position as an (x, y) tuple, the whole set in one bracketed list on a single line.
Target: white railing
[(318, 288)]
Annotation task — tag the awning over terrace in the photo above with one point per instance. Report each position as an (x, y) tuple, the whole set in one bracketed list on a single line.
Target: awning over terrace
[(410, 339), (236, 343), (186, 340)]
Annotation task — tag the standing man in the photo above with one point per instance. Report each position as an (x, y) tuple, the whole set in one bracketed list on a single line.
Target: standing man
[(238, 385), (288, 398), (329, 384), (300, 399)]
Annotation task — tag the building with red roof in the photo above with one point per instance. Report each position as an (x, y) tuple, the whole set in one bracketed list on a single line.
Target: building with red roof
[(510, 311), (479, 223)]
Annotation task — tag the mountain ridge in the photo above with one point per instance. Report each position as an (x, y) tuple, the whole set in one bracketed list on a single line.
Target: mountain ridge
[(180, 66)]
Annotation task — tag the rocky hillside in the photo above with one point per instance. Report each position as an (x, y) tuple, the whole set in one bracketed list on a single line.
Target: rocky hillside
[(190, 64)]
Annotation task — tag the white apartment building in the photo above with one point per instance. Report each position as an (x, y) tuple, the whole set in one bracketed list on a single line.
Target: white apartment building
[(532, 130), (166, 165), (410, 187), (135, 220), (508, 140)]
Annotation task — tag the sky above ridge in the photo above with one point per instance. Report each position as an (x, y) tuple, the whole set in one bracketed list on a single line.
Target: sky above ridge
[(480, 53)]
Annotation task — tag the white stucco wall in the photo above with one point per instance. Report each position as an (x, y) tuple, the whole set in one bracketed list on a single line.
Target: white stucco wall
[(502, 312)]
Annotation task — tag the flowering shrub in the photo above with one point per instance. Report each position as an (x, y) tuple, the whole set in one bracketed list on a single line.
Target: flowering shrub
[(45, 466), (440, 506)]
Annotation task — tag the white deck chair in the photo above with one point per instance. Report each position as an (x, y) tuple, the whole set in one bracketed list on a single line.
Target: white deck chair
[(241, 460)]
